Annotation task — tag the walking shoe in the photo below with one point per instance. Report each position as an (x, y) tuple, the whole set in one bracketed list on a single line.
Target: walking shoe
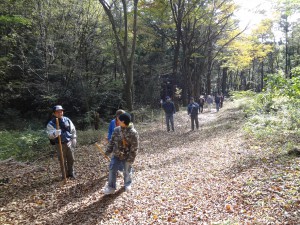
[(128, 188), (72, 176), (108, 190)]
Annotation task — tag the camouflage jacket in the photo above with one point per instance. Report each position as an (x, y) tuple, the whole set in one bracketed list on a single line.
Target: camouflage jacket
[(124, 143)]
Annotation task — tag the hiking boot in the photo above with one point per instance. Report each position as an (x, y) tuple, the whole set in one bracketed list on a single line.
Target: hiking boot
[(108, 190), (128, 188), (72, 176)]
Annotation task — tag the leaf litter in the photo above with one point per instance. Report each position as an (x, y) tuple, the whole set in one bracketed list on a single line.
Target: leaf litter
[(216, 175)]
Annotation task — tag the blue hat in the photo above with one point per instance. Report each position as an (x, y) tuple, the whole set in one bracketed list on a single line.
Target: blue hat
[(168, 97), (57, 108)]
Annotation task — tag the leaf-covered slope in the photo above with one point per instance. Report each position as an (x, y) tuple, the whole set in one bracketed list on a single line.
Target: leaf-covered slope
[(212, 176)]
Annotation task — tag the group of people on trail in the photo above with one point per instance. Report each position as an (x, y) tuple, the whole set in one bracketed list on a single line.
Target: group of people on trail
[(193, 109), (123, 145), (123, 139)]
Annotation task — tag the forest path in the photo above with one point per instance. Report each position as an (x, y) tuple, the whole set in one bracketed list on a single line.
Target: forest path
[(181, 177)]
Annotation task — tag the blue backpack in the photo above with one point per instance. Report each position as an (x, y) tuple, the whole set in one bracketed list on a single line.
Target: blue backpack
[(194, 109)]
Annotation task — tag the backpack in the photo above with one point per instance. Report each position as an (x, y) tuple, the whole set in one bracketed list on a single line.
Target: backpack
[(194, 109)]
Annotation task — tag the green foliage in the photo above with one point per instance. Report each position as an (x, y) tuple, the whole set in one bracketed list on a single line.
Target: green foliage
[(278, 85), (245, 100), (235, 95), (23, 146), (275, 112), (63, 52), (30, 145), (11, 119), (279, 93), (12, 20), (90, 136)]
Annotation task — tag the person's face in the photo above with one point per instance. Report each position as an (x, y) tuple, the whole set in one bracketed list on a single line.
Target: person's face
[(59, 113), (117, 121), (122, 124)]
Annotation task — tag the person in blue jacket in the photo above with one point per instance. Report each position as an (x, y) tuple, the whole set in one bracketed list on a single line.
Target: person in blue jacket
[(114, 123), (193, 109), (67, 132), (169, 109)]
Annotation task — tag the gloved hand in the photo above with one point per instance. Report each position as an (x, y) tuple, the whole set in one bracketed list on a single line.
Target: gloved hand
[(57, 133), (74, 142)]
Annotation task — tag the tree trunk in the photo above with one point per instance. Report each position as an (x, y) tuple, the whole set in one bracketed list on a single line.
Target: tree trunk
[(126, 56), (224, 79), (177, 11), (262, 76), (209, 68)]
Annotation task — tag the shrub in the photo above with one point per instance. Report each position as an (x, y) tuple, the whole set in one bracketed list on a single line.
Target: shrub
[(23, 146), (30, 145), (275, 115)]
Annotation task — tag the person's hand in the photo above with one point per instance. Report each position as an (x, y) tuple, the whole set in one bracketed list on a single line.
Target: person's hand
[(74, 142), (57, 133), (130, 162)]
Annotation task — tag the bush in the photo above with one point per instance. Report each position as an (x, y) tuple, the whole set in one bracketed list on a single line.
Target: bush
[(23, 146), (30, 145), (275, 112), (88, 137)]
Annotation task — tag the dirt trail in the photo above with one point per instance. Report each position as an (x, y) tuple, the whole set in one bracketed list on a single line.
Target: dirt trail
[(181, 177)]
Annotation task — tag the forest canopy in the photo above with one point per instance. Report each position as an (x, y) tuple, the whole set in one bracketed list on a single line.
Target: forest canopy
[(97, 56)]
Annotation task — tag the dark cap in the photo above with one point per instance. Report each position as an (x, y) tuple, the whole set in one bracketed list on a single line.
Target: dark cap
[(125, 117), (57, 108), (168, 98)]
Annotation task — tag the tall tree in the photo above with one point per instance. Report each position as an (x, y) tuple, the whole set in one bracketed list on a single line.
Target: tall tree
[(287, 9), (126, 47), (262, 38)]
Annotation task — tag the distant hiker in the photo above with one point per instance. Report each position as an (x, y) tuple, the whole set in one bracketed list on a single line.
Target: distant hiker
[(193, 109), (201, 103), (209, 101), (67, 132), (96, 120), (114, 123), (169, 109), (217, 101), (124, 146), (221, 100)]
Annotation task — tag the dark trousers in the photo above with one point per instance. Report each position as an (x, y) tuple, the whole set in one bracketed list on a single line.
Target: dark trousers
[(170, 120), (201, 108), (68, 155), (194, 120)]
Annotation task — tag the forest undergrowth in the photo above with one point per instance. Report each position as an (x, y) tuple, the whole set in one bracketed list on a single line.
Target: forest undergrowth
[(216, 175)]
